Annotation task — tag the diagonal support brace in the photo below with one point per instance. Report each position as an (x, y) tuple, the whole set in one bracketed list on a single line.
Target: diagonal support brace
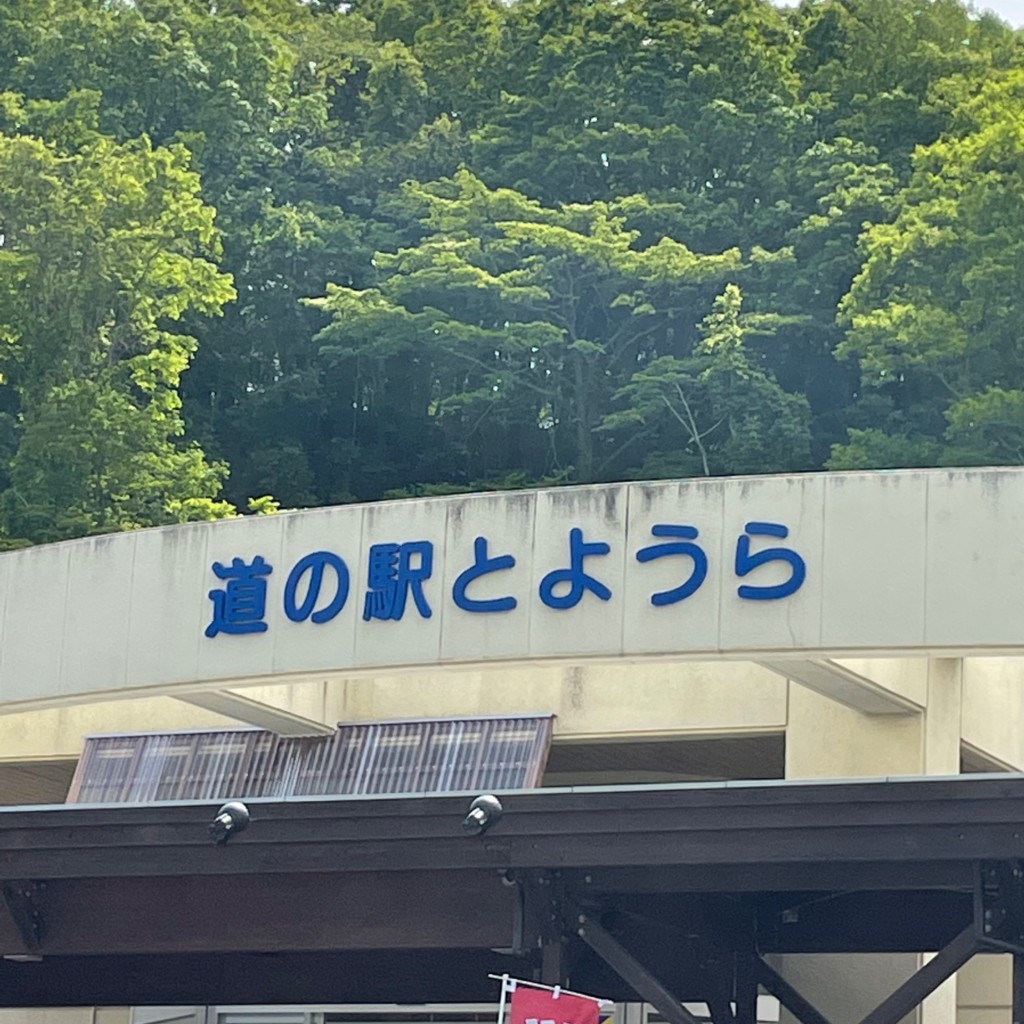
[(721, 1011), (23, 900), (632, 971), (797, 1005), (919, 986)]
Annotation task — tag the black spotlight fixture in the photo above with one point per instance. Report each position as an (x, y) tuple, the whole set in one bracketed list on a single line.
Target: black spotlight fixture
[(484, 811), (231, 818)]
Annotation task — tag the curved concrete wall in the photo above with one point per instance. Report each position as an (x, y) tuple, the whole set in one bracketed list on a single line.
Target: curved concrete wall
[(842, 564)]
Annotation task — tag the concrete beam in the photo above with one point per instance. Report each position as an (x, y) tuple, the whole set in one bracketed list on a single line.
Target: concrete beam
[(254, 712), (840, 684)]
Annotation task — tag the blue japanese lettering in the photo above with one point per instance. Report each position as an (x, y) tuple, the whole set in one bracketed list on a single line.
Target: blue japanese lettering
[(747, 562), (392, 577), (315, 564), (482, 566), (239, 608), (578, 580), (678, 547)]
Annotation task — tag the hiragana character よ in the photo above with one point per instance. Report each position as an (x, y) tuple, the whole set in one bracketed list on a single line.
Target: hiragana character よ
[(578, 580)]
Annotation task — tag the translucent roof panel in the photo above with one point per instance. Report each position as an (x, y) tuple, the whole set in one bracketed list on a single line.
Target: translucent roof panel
[(363, 758)]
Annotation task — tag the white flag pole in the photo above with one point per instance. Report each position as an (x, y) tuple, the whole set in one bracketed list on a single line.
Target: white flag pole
[(504, 995), (509, 985)]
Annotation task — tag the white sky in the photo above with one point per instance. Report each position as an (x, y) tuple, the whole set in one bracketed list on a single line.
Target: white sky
[(1009, 10)]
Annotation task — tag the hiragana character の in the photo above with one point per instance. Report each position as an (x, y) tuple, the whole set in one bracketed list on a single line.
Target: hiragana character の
[(314, 564)]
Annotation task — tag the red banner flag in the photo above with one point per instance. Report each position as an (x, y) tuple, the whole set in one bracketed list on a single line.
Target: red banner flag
[(543, 1006)]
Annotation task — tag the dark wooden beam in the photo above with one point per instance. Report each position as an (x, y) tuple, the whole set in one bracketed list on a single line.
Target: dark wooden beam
[(541, 934), (252, 913), (646, 986), (924, 982), (746, 989), (1018, 988), (24, 903), (354, 976), (802, 876), (721, 1011), (878, 922), (949, 821), (375, 976)]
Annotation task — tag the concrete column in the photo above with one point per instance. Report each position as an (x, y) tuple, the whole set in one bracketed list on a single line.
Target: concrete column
[(827, 740), (942, 731), (942, 718), (985, 990)]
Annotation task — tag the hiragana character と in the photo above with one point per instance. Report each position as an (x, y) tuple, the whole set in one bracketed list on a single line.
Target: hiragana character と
[(482, 566)]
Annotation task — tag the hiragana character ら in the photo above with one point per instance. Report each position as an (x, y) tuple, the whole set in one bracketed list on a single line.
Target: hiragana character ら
[(578, 580), (314, 564), (239, 608), (392, 577), (482, 566), (679, 547), (747, 562)]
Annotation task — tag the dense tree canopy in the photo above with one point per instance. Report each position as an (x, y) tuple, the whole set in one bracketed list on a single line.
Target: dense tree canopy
[(338, 251)]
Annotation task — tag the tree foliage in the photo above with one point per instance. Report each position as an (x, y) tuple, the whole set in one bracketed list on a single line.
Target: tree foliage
[(336, 251), (104, 251), (934, 314)]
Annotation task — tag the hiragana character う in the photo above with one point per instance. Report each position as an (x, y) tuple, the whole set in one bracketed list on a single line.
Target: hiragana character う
[(684, 546)]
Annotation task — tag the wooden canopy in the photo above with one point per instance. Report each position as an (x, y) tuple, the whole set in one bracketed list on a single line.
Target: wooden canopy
[(670, 893)]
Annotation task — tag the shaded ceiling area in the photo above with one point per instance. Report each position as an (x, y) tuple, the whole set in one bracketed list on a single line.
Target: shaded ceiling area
[(36, 782), (690, 759)]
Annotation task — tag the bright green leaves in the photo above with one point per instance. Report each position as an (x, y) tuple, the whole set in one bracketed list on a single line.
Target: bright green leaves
[(103, 251), (934, 315), (92, 458)]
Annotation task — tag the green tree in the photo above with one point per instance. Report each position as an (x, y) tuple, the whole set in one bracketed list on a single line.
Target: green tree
[(103, 252), (869, 67), (934, 317), (725, 413), (507, 330)]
